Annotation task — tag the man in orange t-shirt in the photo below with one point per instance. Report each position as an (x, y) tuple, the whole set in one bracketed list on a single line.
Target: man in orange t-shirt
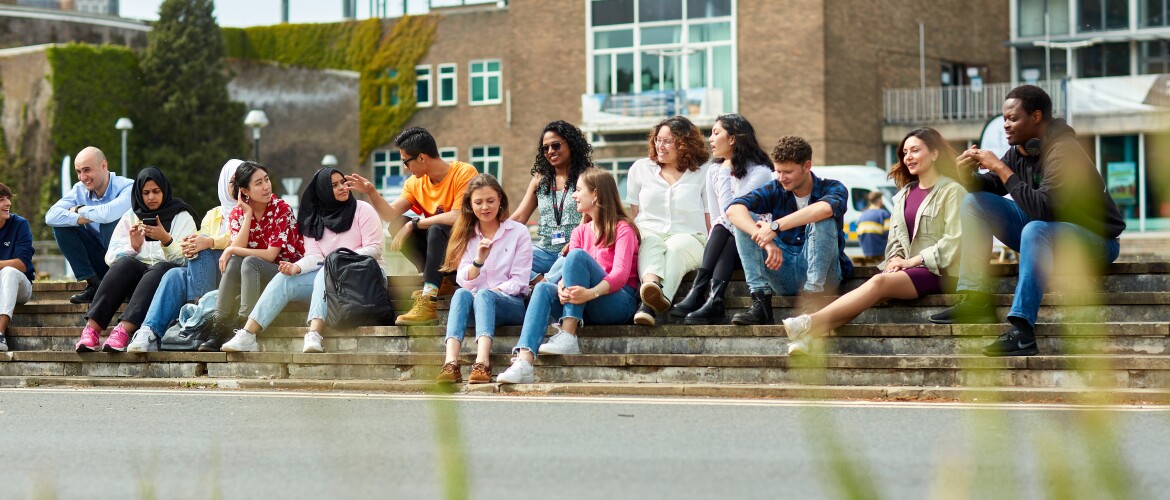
[(435, 193)]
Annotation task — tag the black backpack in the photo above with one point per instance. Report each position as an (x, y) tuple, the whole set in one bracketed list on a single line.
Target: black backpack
[(355, 291)]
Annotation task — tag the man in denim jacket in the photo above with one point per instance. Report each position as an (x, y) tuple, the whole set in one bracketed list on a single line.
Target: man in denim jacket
[(798, 246)]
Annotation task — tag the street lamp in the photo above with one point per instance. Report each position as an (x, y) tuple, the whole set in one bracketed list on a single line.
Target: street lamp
[(1068, 47), (257, 120), (329, 161), (124, 124)]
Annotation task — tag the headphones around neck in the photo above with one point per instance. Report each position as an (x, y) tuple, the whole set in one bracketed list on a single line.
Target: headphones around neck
[(1032, 147)]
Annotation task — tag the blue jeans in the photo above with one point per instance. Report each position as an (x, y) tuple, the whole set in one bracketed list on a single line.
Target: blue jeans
[(181, 285), (811, 267), (614, 308), (85, 249), (985, 215), (283, 289), (547, 263), (488, 308)]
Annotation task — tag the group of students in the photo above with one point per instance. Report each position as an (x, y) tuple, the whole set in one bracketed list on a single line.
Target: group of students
[(704, 205)]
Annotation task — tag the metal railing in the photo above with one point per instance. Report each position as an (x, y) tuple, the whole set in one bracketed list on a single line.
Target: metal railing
[(956, 103)]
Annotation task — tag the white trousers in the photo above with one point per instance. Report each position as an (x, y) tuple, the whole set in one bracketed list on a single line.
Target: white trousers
[(14, 289), (670, 257)]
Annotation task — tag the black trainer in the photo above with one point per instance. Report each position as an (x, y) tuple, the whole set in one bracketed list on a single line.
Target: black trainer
[(86, 296), (1013, 343), (972, 308), (645, 316), (759, 314)]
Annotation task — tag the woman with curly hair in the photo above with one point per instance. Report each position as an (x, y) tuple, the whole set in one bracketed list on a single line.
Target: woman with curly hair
[(740, 166), (562, 155), (922, 256), (662, 191)]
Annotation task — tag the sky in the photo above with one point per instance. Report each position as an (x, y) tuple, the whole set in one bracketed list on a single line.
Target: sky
[(243, 13)]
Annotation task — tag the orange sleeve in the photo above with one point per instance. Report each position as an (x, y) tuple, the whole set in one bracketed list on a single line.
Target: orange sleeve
[(462, 177), (408, 192)]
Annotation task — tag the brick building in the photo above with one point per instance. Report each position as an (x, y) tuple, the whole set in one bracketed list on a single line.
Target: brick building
[(498, 72)]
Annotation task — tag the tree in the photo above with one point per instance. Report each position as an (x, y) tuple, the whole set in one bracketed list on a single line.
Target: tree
[(190, 126)]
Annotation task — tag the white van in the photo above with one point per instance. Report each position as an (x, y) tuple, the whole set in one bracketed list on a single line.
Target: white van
[(859, 180)]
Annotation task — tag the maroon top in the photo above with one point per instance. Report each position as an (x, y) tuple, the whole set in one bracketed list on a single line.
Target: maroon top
[(914, 200)]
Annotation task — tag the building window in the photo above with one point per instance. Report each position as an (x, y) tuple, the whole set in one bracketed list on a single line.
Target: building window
[(488, 160), (1032, 66), (386, 88), (1103, 15), (1031, 16), (1155, 58), (638, 46), (423, 88), (448, 153), (619, 168), (484, 78), (1153, 13), (1106, 59), (387, 169), (448, 85)]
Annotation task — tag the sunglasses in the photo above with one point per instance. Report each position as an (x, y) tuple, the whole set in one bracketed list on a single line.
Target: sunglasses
[(555, 146), (406, 161)]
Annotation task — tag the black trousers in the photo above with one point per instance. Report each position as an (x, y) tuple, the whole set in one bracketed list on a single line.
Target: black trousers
[(720, 254), (426, 249), (128, 277)]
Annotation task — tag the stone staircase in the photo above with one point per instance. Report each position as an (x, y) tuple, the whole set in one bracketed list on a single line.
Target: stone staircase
[(1102, 339)]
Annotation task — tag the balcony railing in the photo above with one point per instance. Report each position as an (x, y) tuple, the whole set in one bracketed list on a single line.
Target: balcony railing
[(956, 103), (618, 112)]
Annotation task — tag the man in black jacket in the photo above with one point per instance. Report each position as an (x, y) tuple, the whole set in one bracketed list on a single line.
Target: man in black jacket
[(1057, 199)]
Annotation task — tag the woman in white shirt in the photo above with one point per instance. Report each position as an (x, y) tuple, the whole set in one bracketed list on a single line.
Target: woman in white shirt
[(667, 194), (145, 245), (740, 166)]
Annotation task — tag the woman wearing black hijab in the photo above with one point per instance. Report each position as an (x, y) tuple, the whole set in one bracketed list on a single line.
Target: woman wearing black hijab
[(144, 246), (329, 218)]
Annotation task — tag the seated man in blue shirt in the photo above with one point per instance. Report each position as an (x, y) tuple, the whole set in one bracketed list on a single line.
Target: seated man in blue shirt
[(798, 246), (84, 220), (16, 266)]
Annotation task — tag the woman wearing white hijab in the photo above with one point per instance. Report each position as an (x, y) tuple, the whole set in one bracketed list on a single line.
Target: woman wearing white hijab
[(201, 275)]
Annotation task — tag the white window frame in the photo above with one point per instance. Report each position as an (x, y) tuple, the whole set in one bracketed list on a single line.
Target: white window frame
[(454, 77), (429, 80), (499, 159), (487, 75), (393, 167), (449, 153), (682, 49)]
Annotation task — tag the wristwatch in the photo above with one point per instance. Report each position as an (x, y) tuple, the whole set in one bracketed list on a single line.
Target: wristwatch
[(414, 222), (775, 226)]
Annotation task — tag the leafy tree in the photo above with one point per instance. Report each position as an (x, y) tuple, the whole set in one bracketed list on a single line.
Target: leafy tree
[(190, 127)]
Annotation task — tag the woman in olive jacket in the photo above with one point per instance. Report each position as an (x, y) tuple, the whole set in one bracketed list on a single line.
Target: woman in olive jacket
[(922, 256)]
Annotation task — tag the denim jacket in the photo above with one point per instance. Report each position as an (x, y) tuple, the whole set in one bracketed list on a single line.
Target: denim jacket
[(938, 231)]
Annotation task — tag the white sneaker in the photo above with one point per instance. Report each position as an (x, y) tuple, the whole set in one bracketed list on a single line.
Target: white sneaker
[(561, 343), (313, 342), (798, 326), (144, 341), (3, 343), (521, 372), (798, 347), (241, 342)]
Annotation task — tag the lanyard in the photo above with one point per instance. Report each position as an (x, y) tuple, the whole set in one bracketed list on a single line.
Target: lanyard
[(559, 206)]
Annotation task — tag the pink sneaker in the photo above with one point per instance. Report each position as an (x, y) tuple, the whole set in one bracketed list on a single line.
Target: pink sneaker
[(90, 340), (117, 341)]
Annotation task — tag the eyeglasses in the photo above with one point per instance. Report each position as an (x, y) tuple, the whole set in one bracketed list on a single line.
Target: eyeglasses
[(406, 161), (554, 146), (666, 143)]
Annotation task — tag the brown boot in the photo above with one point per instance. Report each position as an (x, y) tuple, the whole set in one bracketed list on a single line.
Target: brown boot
[(421, 314), (447, 286), (450, 373), (480, 374)]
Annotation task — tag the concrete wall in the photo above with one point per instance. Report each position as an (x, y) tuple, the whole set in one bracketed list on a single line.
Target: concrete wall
[(311, 113), (23, 26)]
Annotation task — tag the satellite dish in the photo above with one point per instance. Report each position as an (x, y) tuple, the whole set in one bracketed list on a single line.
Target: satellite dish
[(994, 139)]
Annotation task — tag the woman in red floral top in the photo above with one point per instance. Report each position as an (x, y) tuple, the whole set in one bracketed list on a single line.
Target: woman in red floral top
[(263, 233)]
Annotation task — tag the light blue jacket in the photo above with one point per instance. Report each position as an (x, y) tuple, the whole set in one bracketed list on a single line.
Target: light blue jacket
[(104, 210)]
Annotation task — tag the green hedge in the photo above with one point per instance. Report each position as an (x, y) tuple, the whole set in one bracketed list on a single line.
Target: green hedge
[(92, 87), (360, 46)]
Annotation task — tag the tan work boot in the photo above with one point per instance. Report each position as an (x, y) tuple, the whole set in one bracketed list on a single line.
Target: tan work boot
[(422, 313)]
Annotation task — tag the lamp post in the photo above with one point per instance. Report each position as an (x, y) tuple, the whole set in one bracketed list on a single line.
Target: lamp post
[(257, 120), (124, 124), (1068, 47), (329, 161)]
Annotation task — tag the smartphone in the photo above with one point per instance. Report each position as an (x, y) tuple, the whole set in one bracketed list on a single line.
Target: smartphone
[(150, 221)]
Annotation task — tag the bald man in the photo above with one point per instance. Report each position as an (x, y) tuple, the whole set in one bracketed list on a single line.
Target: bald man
[(84, 220)]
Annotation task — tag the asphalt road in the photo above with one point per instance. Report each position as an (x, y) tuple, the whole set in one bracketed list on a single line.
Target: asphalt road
[(67, 443)]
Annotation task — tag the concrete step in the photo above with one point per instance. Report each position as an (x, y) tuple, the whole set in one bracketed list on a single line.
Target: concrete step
[(1132, 372), (860, 339)]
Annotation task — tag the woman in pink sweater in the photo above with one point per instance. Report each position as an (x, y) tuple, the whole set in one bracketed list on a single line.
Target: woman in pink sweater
[(599, 281), (329, 218)]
